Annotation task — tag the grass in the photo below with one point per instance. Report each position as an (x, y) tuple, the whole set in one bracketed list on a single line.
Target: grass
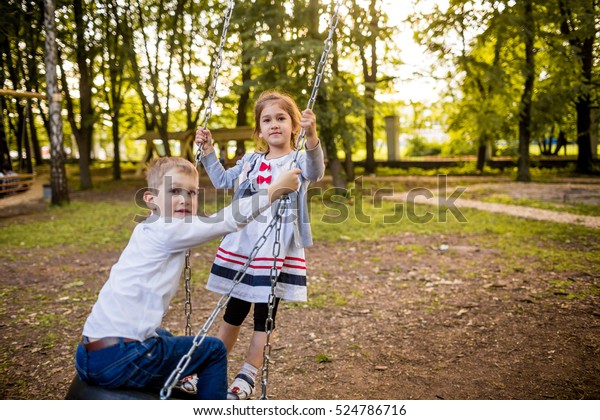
[(469, 168), (321, 296), (489, 195), (323, 358), (89, 226), (581, 209), (415, 249), (556, 246), (565, 289), (80, 225)]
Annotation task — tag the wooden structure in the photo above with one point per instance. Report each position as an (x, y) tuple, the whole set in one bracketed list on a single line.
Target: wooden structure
[(12, 184), (21, 94), (17, 183), (186, 138), (432, 162)]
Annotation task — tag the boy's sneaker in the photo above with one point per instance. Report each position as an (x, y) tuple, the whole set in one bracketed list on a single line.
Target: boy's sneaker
[(241, 388), (189, 384)]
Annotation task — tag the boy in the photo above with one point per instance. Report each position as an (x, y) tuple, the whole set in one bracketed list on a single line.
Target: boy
[(122, 344)]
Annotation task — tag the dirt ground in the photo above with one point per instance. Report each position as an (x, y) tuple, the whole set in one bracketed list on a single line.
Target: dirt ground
[(381, 324)]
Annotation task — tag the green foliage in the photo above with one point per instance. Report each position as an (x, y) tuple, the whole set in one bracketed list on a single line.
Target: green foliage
[(323, 358), (484, 99), (461, 168), (563, 288), (415, 249), (460, 144), (164, 55), (339, 221), (80, 225), (418, 146)]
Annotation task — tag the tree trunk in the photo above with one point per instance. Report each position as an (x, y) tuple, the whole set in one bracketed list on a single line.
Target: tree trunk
[(117, 152), (370, 78), (348, 162), (27, 144), (20, 135), (584, 110), (370, 164), (43, 115), (164, 135), (86, 109), (334, 164), (35, 143), (242, 112), (583, 48), (58, 176), (327, 133), (115, 38), (481, 155), (4, 152), (523, 174)]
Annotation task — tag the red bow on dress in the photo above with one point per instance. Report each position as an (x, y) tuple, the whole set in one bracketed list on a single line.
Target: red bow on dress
[(264, 180), (265, 166)]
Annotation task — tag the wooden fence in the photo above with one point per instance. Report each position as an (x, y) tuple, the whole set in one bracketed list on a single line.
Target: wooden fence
[(14, 184)]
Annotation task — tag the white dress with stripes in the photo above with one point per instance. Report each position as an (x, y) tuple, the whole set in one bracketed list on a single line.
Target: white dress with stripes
[(235, 248)]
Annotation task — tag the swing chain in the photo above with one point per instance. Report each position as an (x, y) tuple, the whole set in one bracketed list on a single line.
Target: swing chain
[(187, 274), (276, 222), (264, 379), (333, 22), (300, 141), (212, 90), (207, 114), (172, 380)]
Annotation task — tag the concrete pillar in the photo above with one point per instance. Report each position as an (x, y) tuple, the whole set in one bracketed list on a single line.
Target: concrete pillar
[(392, 130)]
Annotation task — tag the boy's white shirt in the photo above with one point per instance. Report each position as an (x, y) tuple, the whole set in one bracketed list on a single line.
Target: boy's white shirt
[(136, 296)]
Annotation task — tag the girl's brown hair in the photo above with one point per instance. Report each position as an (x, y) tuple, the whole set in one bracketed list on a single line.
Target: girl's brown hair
[(286, 103)]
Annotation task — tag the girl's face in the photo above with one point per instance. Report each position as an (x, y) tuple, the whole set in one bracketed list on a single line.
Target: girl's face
[(177, 197), (276, 127)]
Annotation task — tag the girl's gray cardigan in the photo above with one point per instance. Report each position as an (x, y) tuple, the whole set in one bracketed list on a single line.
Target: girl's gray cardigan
[(310, 163)]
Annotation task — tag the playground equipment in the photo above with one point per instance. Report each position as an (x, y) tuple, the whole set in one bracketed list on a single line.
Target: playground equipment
[(81, 390)]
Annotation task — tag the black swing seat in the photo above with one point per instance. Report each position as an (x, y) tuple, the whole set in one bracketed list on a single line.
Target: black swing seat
[(80, 390)]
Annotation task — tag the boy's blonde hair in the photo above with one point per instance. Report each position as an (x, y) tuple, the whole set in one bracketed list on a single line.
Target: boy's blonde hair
[(288, 104), (157, 169)]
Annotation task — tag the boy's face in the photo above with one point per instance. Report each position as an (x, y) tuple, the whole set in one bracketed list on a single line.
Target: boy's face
[(177, 197)]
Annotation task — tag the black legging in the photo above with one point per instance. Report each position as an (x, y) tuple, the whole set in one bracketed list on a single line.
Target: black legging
[(238, 309)]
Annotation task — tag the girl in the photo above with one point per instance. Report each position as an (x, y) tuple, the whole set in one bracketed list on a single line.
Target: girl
[(278, 122)]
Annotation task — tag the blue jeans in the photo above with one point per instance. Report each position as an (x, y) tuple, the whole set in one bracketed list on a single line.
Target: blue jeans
[(148, 364)]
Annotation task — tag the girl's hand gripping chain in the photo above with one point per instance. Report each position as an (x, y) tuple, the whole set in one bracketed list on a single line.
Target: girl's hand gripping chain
[(309, 124), (203, 140)]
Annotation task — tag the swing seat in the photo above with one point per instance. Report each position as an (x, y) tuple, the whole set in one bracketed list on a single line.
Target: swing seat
[(80, 390)]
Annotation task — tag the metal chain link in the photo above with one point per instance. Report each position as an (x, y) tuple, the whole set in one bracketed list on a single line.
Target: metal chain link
[(165, 392), (187, 275), (264, 378), (282, 205), (333, 22), (299, 143), (212, 90)]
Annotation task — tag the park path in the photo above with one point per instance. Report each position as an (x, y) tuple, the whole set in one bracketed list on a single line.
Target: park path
[(535, 190), (33, 194), (539, 191)]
